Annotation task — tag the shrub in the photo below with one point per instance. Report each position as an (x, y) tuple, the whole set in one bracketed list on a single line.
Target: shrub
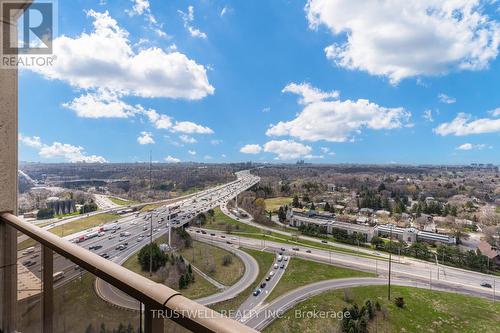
[(400, 302)]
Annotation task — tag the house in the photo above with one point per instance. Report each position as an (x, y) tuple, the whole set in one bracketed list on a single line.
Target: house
[(492, 253)]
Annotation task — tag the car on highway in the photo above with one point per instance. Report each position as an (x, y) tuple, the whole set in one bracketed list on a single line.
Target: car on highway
[(95, 247), (29, 263), (308, 251), (111, 237), (324, 241), (275, 266), (212, 234), (295, 249), (268, 278), (282, 266), (285, 258), (228, 242), (257, 292), (263, 285), (486, 285), (282, 249)]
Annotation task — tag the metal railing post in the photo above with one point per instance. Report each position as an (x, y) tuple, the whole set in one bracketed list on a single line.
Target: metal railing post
[(153, 320), (48, 289)]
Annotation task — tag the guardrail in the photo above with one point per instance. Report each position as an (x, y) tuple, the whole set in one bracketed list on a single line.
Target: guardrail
[(159, 301)]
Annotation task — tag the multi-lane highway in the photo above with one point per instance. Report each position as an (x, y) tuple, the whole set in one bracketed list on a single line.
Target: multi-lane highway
[(134, 230), (455, 279)]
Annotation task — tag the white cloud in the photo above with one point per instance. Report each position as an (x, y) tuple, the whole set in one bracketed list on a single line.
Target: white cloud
[(470, 146), (191, 128), (495, 112), (187, 139), (223, 155), (170, 159), (224, 11), (140, 6), (463, 125), (102, 104), (105, 59), (146, 138), (215, 142), (287, 149), (159, 121), (62, 151), (337, 121), (207, 157), (427, 115), (191, 152), (31, 141), (326, 150), (308, 93), (313, 157), (266, 109), (401, 39), (187, 18), (251, 149), (443, 98)]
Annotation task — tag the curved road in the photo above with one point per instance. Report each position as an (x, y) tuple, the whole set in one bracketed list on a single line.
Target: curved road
[(117, 297), (266, 314)]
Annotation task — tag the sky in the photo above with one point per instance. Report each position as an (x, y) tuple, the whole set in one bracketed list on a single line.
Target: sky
[(326, 81)]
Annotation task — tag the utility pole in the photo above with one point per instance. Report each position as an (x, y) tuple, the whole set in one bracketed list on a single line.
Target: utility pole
[(390, 260), (150, 219)]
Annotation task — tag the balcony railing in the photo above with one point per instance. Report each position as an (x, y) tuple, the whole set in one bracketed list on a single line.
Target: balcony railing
[(159, 301)]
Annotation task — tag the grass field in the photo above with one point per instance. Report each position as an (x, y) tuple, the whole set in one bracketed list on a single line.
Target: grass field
[(273, 204), (199, 288), (221, 221), (209, 259), (301, 272), (265, 260), (73, 227), (76, 306), (150, 207), (497, 209), (425, 311), (121, 202)]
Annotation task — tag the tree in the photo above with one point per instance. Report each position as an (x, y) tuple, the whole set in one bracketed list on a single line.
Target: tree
[(159, 258), (88, 207), (313, 207), (296, 202), (327, 207), (182, 282), (377, 242), (400, 302), (45, 213)]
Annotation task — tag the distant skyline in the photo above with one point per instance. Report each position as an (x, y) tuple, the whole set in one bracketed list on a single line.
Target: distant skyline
[(325, 81)]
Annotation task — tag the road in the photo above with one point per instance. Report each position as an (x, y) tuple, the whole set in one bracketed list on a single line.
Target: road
[(421, 272), (252, 303), (115, 296), (136, 227), (271, 311)]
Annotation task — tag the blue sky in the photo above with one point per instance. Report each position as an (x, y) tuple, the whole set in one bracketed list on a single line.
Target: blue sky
[(328, 81)]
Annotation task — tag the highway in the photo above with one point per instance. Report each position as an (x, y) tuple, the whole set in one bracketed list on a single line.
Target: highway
[(454, 279), (135, 231)]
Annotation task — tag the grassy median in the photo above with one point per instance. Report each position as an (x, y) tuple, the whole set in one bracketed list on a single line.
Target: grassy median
[(210, 260), (265, 260), (74, 226), (301, 272)]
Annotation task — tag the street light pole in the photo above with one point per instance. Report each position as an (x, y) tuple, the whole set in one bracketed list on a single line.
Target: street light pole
[(150, 220), (390, 260)]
